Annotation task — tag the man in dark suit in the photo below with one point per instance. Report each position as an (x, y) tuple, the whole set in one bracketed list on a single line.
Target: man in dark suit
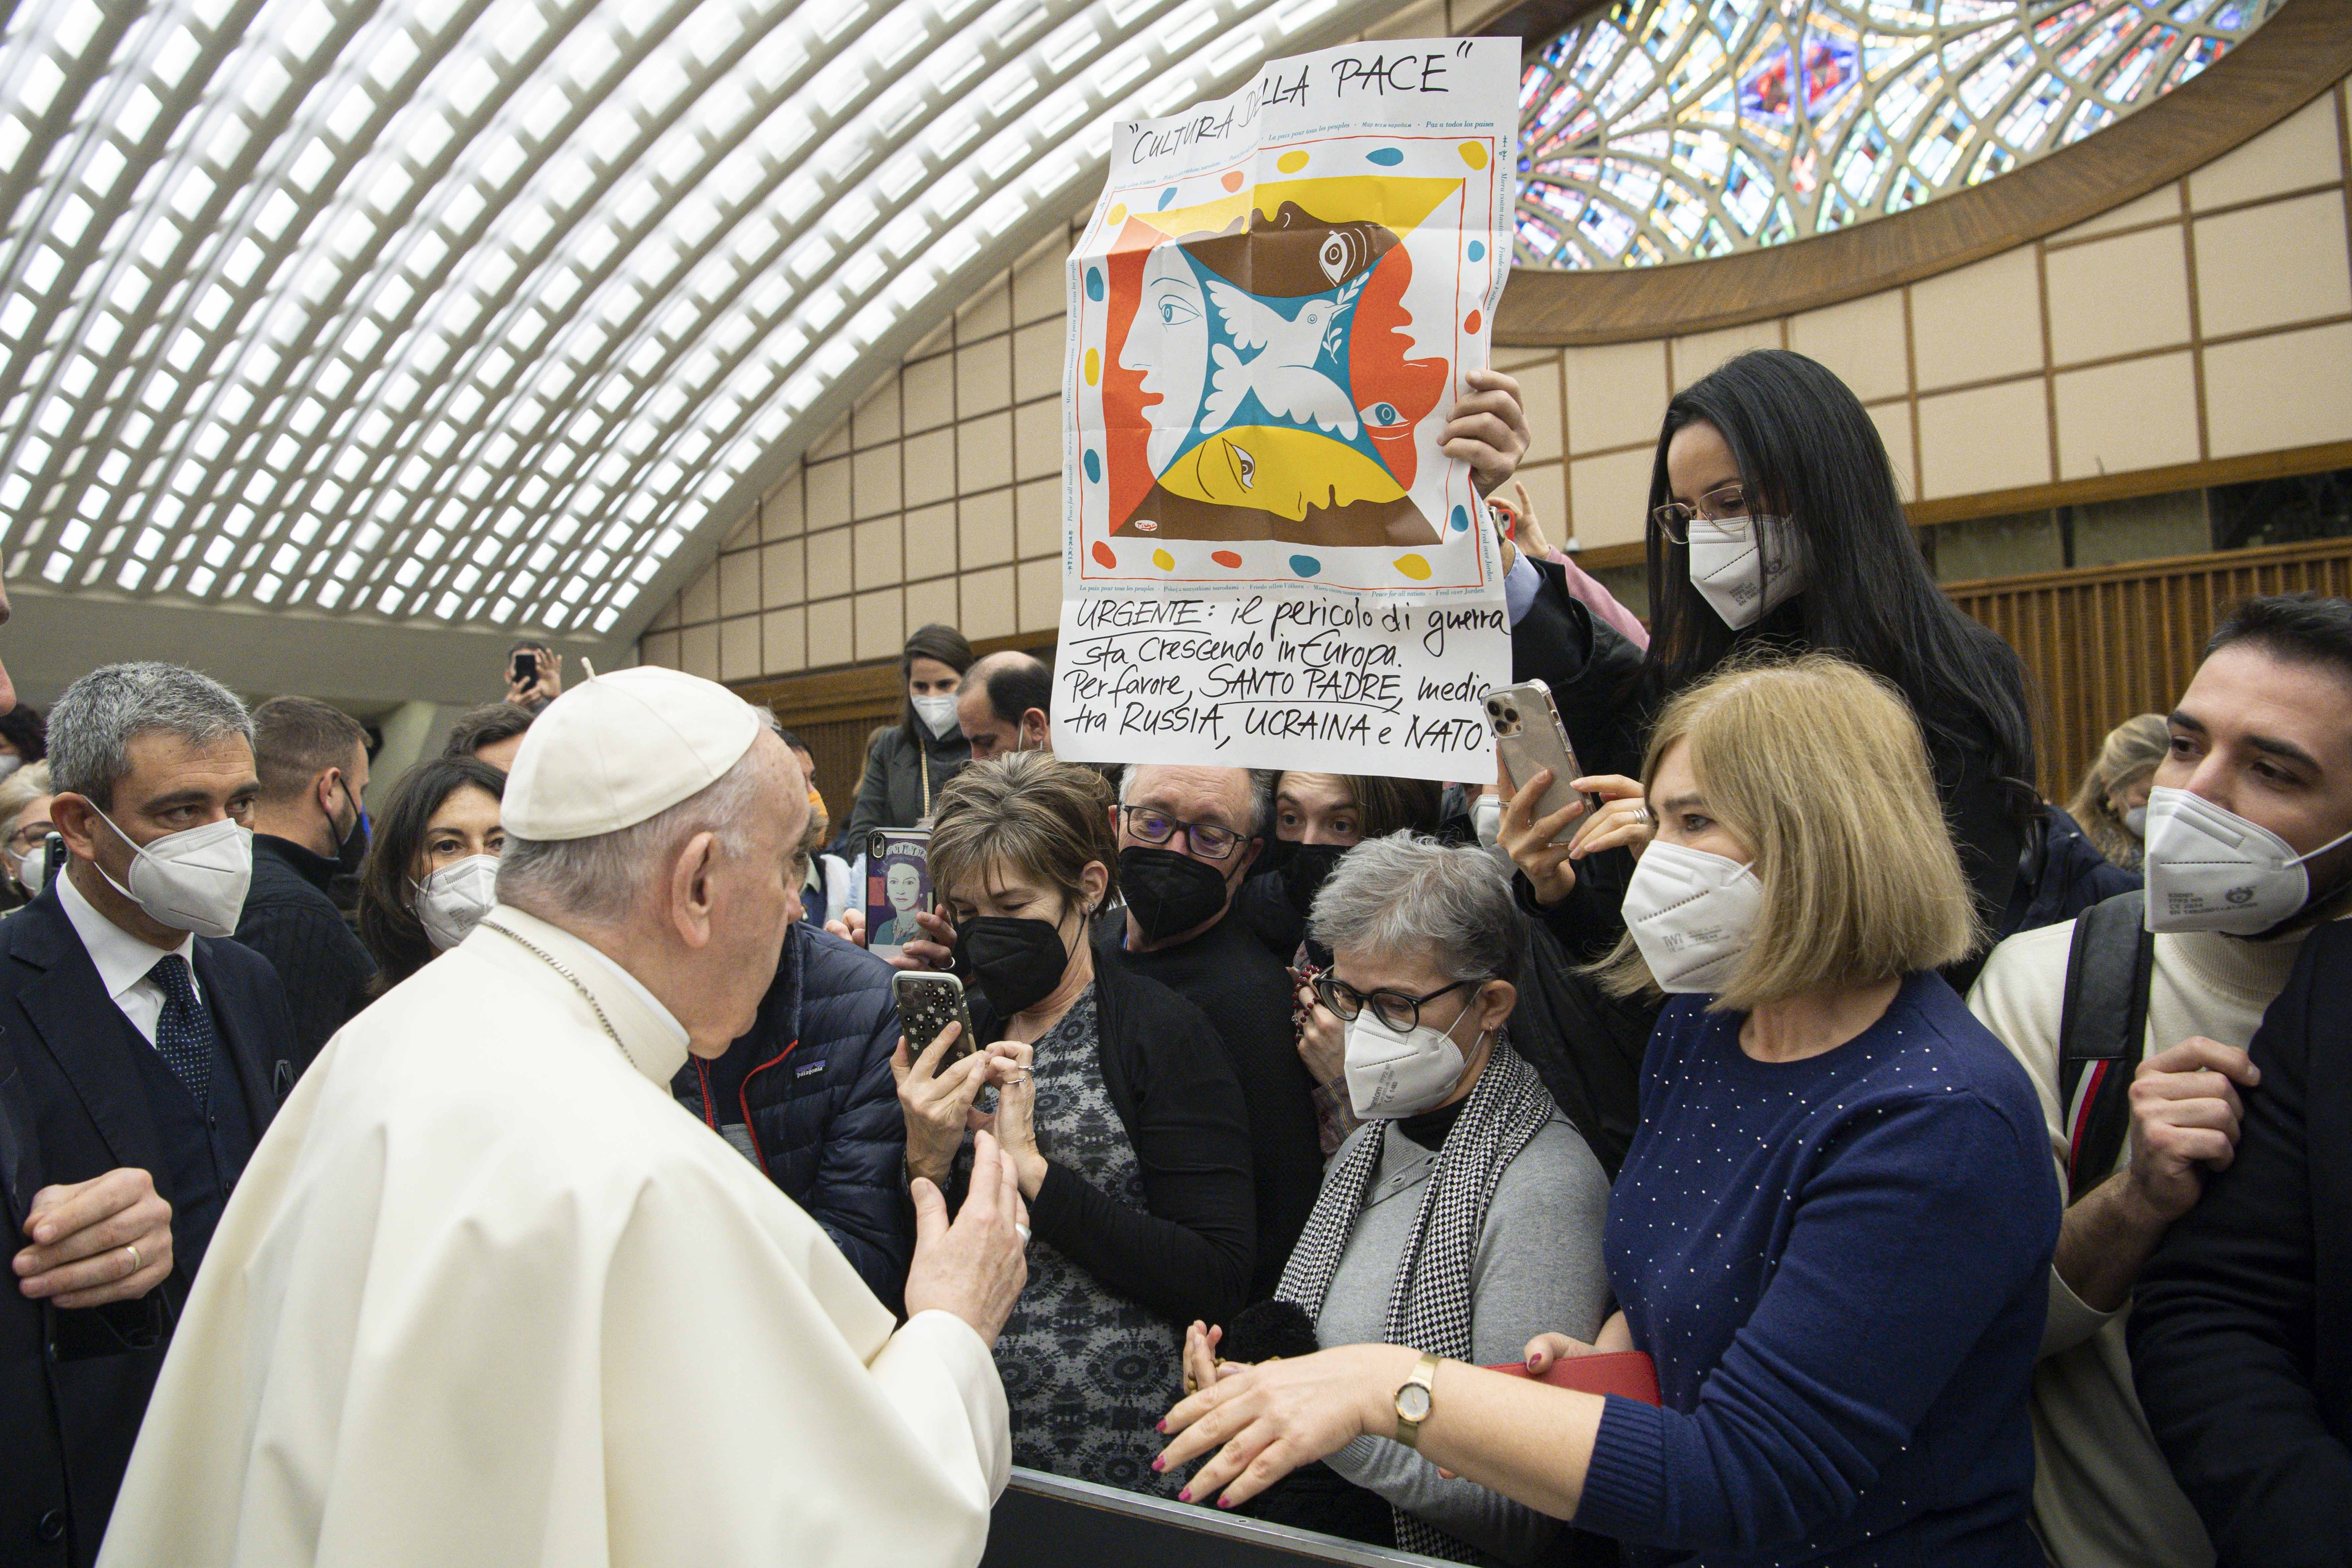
[(134, 1048), (308, 828), (2241, 1327)]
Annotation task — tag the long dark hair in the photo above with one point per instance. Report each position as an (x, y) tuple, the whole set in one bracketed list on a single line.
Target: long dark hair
[(388, 921), (1808, 451), (935, 641)]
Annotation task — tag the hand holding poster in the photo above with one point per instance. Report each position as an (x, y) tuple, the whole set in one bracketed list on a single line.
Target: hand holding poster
[(1268, 561)]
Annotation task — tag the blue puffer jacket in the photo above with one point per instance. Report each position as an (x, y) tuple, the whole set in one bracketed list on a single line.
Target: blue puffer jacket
[(812, 1084)]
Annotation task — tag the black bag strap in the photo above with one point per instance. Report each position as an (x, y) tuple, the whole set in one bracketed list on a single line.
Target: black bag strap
[(2101, 1033)]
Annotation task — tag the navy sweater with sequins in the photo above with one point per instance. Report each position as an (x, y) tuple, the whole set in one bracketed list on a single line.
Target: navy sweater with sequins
[(1840, 1266)]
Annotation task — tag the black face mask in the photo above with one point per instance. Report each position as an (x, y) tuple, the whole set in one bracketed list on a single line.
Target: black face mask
[(1167, 892), (1015, 961), (1305, 871), (351, 843)]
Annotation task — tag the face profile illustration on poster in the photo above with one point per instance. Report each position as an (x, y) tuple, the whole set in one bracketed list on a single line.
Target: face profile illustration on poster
[(1272, 310)]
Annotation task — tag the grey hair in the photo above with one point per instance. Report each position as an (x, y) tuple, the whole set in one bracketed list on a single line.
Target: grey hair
[(1261, 781), (93, 724), (1409, 896), (22, 788), (600, 878)]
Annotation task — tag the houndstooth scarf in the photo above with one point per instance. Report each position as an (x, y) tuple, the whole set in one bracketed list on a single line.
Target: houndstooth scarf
[(1429, 1304)]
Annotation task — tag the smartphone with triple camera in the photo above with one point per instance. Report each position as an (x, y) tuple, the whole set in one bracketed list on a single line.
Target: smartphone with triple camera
[(929, 1001), (1531, 738)]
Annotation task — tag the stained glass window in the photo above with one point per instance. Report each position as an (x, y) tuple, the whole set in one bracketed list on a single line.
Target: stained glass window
[(1662, 130)]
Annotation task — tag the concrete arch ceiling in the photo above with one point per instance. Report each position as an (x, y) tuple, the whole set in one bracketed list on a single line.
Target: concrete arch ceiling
[(464, 315)]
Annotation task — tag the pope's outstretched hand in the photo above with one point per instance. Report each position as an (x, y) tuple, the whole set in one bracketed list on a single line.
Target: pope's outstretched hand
[(974, 1267)]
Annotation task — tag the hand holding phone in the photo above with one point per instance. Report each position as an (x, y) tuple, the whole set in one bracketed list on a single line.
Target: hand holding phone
[(929, 1001), (939, 1075), (1529, 738)]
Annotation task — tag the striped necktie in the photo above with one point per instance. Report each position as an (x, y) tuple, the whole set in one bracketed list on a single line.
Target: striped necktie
[(184, 1032)]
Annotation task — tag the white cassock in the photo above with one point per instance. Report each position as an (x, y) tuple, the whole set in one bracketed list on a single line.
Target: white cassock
[(487, 1295)]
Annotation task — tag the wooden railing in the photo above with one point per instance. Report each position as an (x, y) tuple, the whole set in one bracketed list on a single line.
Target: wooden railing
[(2103, 643)]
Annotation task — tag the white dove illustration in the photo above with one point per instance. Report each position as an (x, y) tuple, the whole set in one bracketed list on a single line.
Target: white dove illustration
[(1282, 373)]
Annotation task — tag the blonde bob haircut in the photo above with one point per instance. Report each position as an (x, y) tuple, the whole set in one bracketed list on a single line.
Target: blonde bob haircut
[(1819, 768), (1027, 814)]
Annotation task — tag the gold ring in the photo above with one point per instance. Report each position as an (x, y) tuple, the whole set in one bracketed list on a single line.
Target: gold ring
[(135, 1264)]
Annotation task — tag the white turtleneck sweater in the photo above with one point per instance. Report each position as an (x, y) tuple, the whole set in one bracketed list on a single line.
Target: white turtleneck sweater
[(2102, 1492)]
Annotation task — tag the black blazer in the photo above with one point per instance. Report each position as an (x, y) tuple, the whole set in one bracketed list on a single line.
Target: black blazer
[(1190, 1255), (73, 1385), (69, 1040), (2241, 1323)]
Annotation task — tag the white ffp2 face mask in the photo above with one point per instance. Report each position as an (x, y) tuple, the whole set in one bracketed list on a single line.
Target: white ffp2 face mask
[(33, 869), (2208, 868), (1487, 818), (193, 879), (1392, 1074), (938, 712), (1692, 914), (452, 900), (1745, 567), (2136, 819)]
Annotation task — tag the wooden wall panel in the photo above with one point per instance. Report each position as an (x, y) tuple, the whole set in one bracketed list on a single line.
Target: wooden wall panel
[(2101, 644)]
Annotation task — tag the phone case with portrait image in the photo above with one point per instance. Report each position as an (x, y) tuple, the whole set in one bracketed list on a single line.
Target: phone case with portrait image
[(929, 1001), (897, 884), (1531, 738)]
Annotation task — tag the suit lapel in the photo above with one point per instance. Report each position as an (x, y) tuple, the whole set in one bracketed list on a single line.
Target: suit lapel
[(86, 1033), (19, 1176), (256, 1067)]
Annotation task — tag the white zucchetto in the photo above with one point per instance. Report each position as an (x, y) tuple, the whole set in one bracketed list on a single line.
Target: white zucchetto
[(617, 749)]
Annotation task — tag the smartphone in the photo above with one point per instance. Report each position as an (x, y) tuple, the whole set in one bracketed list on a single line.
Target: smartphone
[(929, 1001), (898, 886), (1531, 738), (526, 668)]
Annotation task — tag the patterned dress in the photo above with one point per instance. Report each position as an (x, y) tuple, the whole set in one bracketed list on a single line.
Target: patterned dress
[(1088, 1372)]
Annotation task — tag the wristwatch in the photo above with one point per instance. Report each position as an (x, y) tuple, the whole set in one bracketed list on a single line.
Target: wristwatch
[(1413, 1397)]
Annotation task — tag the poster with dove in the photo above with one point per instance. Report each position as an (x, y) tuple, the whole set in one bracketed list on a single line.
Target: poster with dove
[(1272, 311)]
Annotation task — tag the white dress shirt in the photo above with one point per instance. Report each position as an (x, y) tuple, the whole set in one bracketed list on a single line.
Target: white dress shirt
[(123, 961)]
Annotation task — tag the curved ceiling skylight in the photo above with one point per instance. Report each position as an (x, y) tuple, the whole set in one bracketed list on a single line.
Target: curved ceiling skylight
[(472, 310), (1659, 130)]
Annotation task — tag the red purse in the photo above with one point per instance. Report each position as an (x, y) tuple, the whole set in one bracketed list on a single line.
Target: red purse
[(1628, 1374)]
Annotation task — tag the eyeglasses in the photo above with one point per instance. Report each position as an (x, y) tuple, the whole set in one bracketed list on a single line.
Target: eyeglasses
[(1394, 1008), (32, 833), (1206, 839), (1727, 505)]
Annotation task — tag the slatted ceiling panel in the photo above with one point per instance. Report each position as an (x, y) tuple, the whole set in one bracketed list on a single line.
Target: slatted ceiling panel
[(473, 311), (2103, 643)]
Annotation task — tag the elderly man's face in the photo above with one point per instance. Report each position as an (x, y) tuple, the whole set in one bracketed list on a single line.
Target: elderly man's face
[(1217, 797), (756, 897)]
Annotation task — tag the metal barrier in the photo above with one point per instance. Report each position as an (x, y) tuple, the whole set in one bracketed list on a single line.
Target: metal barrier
[(1046, 1521)]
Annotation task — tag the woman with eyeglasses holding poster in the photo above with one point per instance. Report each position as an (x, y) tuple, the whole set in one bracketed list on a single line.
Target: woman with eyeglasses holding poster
[(1776, 522)]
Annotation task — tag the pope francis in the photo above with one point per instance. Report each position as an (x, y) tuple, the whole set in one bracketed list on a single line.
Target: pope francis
[(487, 1295)]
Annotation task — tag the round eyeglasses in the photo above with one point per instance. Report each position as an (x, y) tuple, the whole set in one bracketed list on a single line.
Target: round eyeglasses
[(1725, 506), (1395, 1008)]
